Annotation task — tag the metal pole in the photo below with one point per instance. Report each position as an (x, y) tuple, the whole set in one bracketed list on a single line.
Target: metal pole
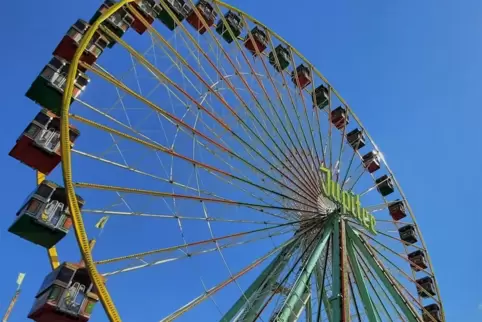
[(336, 290), (345, 305), (10, 307), (15, 298)]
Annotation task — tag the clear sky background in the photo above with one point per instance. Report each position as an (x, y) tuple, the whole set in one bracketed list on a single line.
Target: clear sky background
[(410, 70)]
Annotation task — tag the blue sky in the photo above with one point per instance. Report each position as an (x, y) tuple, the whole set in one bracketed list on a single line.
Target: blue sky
[(410, 70)]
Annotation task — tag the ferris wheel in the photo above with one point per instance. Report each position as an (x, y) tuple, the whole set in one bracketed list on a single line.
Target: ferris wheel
[(209, 172)]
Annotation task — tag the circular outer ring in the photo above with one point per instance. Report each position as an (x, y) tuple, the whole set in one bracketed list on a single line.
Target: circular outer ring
[(79, 227)]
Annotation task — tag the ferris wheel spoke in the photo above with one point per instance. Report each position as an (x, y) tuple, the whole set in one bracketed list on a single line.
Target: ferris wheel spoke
[(176, 52), (338, 163), (378, 291), (395, 288), (396, 225), (385, 247), (398, 284), (347, 173), (266, 284), (357, 177), (379, 302), (170, 180), (176, 217), (146, 137), (371, 188), (284, 108), (403, 273), (294, 106), (316, 119), (400, 222), (286, 228), (192, 254), (295, 110), (227, 128), (310, 130), (133, 169), (371, 277), (401, 242), (220, 286), (163, 112), (120, 96), (231, 87), (330, 130), (158, 147), (260, 199), (409, 296), (188, 197), (260, 83)]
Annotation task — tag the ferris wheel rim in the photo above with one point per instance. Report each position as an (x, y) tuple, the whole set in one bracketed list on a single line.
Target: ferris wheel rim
[(80, 232)]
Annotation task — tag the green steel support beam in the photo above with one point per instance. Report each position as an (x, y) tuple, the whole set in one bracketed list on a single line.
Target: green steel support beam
[(323, 296), (264, 281), (268, 287), (303, 279), (335, 300), (309, 311), (390, 285), (360, 281), (326, 302), (298, 309)]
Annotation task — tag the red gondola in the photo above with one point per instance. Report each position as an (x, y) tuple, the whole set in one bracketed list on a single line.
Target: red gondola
[(208, 14), (149, 10), (303, 74), (69, 44), (39, 144), (339, 117), (260, 40), (371, 161), (397, 210)]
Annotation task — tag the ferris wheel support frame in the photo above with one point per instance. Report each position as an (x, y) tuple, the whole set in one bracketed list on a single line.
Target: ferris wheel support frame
[(257, 290), (323, 297), (361, 285), (351, 238), (297, 293), (298, 296)]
